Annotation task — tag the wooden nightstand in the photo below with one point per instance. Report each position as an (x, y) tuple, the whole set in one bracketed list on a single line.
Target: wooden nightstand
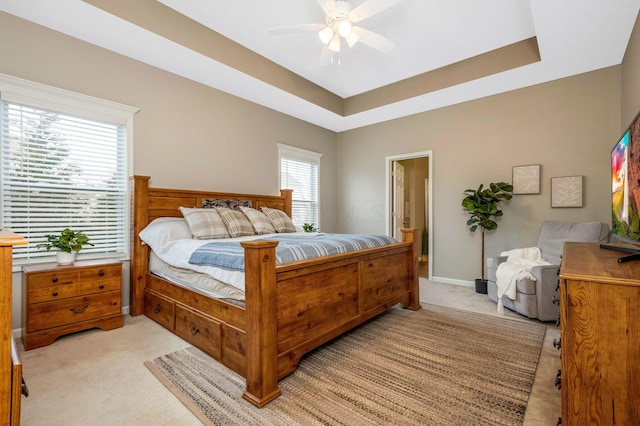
[(62, 299)]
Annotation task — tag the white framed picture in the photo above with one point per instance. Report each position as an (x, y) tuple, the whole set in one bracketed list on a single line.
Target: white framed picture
[(526, 179), (566, 191)]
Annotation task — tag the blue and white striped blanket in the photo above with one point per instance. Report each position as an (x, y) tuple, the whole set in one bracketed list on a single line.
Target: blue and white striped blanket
[(230, 255)]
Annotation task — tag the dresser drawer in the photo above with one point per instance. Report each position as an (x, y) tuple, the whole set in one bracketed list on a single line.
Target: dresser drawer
[(201, 331), (52, 278), (71, 310), (159, 309)]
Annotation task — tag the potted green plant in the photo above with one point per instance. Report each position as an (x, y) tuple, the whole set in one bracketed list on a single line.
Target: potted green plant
[(308, 227), (483, 206), (68, 243)]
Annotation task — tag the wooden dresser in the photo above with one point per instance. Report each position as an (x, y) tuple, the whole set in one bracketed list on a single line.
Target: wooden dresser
[(62, 299), (10, 366), (600, 337)]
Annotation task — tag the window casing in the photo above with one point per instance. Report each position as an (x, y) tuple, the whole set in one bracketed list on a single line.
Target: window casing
[(300, 171), (64, 162)]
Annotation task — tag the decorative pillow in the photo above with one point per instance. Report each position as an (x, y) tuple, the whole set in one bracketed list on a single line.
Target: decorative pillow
[(209, 203), (261, 223), (237, 223), (164, 230), (279, 219), (204, 223)]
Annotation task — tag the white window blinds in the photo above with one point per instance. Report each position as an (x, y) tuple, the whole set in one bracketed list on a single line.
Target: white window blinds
[(62, 170), (300, 171)]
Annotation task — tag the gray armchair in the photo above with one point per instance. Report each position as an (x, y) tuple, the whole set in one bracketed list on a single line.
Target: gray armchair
[(535, 299)]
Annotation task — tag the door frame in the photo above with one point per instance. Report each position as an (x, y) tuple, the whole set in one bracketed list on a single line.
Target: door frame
[(389, 194)]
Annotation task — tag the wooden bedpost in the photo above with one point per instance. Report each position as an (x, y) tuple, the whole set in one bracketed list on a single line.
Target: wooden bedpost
[(261, 322), (410, 235), (287, 194), (139, 188)]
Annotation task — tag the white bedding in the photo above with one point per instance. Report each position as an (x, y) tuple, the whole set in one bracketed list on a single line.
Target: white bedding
[(170, 239)]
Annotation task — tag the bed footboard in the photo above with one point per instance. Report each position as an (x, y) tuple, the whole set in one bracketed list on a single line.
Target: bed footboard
[(294, 308)]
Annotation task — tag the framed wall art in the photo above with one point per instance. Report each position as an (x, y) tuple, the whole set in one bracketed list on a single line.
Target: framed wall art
[(566, 191), (526, 179)]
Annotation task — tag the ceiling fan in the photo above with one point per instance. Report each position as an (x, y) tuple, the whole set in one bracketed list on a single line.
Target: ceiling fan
[(339, 30)]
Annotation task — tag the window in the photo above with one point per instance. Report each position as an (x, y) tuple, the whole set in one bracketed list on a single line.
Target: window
[(64, 163), (300, 171)]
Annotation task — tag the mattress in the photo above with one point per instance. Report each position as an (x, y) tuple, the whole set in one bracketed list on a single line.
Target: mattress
[(201, 282)]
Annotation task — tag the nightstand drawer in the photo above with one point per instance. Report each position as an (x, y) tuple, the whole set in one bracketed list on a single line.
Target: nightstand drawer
[(104, 273), (67, 311), (47, 294), (52, 278)]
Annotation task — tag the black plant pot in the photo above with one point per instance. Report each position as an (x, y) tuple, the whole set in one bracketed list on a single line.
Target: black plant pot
[(481, 286)]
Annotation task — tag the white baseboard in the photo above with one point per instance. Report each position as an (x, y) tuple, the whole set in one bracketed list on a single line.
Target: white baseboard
[(453, 281)]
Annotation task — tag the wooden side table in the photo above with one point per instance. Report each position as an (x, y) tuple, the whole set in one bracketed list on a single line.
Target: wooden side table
[(62, 299)]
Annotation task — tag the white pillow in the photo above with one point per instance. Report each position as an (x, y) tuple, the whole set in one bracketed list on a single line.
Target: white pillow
[(164, 230), (204, 223)]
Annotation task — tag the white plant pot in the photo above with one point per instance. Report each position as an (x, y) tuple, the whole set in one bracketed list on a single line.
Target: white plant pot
[(65, 258)]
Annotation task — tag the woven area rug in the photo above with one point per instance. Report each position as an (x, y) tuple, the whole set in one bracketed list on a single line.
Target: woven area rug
[(435, 366)]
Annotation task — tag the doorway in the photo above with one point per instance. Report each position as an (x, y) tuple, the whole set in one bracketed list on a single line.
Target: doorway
[(409, 201)]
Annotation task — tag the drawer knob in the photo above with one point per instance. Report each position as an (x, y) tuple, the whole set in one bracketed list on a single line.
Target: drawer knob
[(557, 343), (194, 330), (156, 309), (54, 294), (101, 286), (79, 311), (55, 279), (101, 274)]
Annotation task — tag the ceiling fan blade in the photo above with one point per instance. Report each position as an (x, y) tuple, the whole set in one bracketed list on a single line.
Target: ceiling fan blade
[(293, 29), (370, 8), (374, 40), (328, 6)]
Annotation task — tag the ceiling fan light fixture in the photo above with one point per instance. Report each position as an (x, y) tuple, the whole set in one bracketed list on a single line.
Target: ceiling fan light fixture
[(326, 35), (344, 28), (334, 44)]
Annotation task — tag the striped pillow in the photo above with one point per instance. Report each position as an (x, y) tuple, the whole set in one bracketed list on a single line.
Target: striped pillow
[(259, 220), (236, 222), (279, 219), (204, 224)]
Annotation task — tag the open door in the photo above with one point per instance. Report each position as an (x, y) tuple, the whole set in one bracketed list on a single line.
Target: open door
[(412, 208), (398, 199)]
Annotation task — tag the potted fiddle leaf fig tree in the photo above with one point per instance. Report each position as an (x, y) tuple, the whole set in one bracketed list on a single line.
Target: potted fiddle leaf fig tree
[(483, 204), (68, 243)]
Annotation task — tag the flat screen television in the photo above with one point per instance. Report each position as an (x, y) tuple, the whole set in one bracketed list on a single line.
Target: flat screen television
[(625, 186)]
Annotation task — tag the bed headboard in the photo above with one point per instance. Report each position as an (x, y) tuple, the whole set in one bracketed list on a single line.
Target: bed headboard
[(148, 204)]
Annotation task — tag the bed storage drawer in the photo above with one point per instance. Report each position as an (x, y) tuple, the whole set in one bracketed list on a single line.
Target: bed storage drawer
[(201, 331), (159, 309)]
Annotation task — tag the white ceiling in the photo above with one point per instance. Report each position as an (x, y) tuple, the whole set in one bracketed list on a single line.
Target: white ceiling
[(574, 36)]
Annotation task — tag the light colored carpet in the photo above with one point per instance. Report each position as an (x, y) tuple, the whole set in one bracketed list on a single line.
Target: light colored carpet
[(436, 366)]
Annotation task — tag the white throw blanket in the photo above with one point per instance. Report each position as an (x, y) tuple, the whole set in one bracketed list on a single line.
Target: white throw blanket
[(518, 266)]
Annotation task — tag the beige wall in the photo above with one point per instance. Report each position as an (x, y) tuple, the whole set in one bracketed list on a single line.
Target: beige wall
[(567, 126), (631, 79), (186, 135)]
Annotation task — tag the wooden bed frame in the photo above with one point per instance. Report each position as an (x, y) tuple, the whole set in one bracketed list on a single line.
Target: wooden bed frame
[(289, 309)]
